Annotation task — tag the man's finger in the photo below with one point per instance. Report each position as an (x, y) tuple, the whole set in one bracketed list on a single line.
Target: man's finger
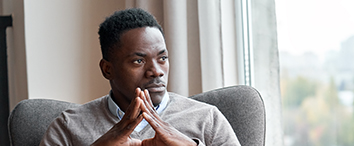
[(148, 98), (152, 121), (131, 118), (150, 106), (144, 106), (137, 92), (133, 110), (127, 130), (145, 102)]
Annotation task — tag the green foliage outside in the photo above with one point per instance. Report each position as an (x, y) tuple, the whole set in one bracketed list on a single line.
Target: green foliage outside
[(297, 90), (313, 115)]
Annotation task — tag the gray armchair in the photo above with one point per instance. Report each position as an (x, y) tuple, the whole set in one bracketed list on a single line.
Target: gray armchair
[(241, 105)]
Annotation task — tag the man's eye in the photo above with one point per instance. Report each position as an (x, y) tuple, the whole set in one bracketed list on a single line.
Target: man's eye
[(164, 58), (139, 61)]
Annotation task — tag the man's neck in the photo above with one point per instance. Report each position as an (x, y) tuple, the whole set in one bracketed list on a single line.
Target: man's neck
[(123, 102)]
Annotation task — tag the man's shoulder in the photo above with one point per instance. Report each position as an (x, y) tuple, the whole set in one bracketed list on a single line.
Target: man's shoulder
[(93, 108), (92, 117), (91, 105)]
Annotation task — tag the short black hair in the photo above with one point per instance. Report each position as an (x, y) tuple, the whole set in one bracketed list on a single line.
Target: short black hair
[(119, 22)]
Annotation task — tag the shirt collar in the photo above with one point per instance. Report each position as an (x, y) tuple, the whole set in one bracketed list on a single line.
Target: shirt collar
[(115, 110)]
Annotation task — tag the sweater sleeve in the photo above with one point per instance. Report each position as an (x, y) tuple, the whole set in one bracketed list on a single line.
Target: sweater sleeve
[(221, 132), (57, 133)]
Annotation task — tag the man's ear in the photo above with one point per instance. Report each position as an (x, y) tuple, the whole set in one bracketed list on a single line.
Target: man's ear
[(106, 69)]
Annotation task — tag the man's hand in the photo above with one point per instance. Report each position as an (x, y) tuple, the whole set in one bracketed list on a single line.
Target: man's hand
[(165, 135), (119, 133)]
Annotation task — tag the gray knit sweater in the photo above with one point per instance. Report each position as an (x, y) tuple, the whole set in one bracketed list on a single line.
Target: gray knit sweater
[(81, 126)]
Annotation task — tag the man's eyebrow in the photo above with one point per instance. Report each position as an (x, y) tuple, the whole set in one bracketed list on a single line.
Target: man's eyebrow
[(161, 52), (143, 54), (139, 54)]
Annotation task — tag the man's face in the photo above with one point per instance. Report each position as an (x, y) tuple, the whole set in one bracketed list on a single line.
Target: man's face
[(141, 61)]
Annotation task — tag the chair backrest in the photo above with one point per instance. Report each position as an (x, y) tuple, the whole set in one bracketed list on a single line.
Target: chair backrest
[(243, 107), (30, 119)]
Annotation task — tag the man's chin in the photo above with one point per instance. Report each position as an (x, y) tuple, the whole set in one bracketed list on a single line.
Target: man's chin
[(157, 97)]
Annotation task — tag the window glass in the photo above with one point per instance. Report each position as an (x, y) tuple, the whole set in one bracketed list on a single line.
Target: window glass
[(316, 52)]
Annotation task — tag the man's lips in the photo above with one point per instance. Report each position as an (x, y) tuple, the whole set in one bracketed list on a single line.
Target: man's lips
[(155, 88)]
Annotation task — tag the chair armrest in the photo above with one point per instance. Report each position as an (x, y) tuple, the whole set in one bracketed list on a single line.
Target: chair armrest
[(243, 107), (29, 120)]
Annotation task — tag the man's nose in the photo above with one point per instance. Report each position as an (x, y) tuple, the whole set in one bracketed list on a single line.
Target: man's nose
[(154, 69)]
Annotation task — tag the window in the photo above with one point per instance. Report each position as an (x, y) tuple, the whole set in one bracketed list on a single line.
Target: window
[(316, 52)]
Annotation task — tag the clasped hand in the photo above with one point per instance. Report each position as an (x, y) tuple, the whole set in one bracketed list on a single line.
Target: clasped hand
[(142, 108)]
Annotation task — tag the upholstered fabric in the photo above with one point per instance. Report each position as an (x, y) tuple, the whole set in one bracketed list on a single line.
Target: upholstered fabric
[(241, 105), (30, 119)]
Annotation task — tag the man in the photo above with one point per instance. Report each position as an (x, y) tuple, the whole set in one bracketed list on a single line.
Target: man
[(138, 110)]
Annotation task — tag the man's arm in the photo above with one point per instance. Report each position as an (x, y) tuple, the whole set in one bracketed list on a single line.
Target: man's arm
[(56, 133), (222, 133)]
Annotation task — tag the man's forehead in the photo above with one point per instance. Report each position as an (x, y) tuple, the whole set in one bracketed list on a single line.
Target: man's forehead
[(142, 41), (145, 53)]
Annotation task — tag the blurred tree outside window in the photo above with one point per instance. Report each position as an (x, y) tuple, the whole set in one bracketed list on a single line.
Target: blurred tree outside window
[(316, 52)]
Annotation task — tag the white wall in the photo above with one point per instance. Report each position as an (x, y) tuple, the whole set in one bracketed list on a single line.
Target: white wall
[(53, 48), (62, 48)]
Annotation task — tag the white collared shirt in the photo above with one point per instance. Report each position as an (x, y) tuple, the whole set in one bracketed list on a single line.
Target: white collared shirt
[(115, 110)]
